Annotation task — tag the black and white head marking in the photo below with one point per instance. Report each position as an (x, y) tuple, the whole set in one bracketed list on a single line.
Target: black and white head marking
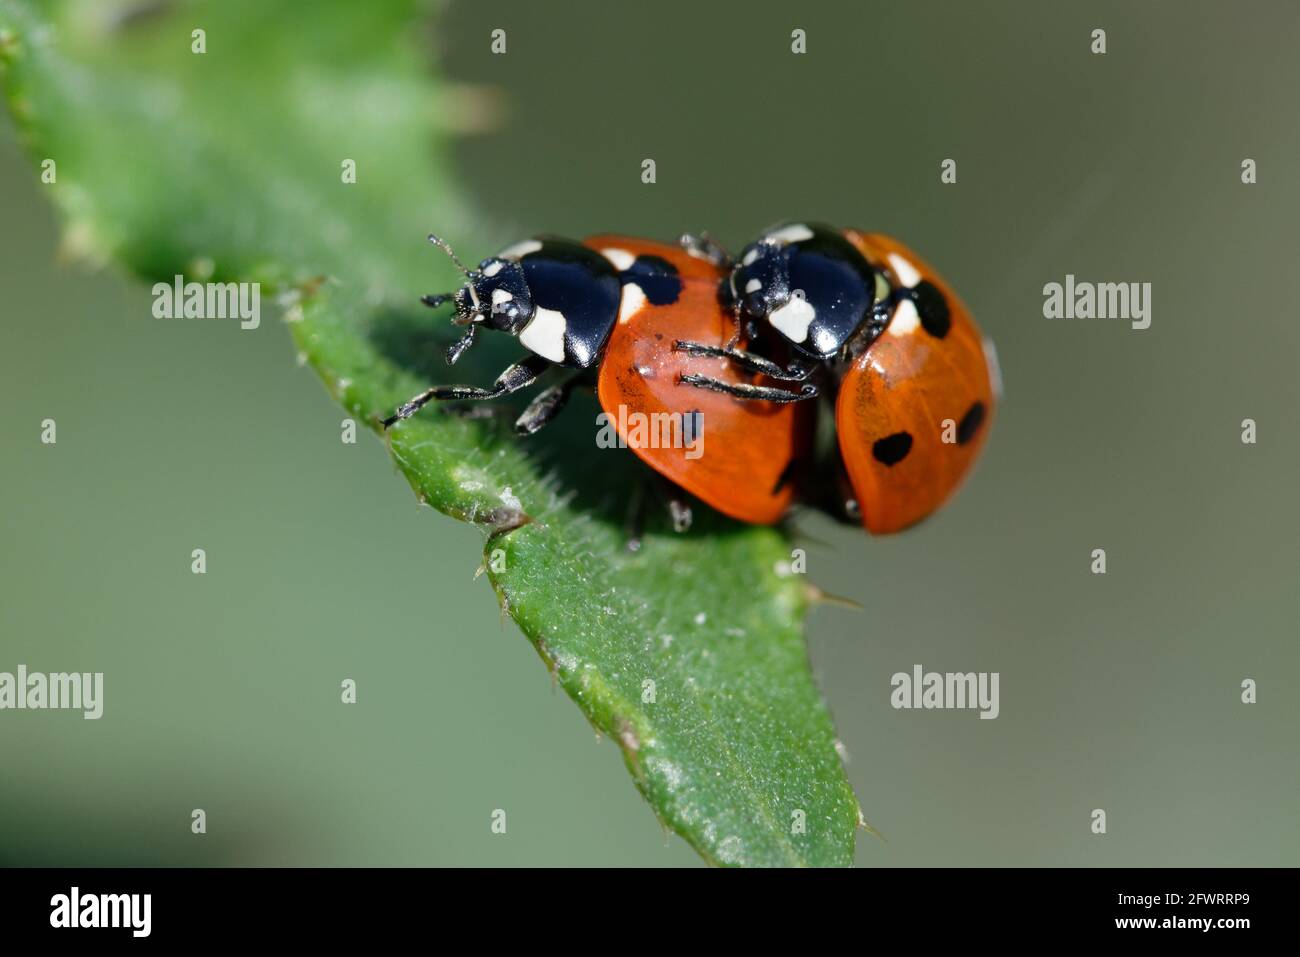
[(560, 298), (575, 295), (503, 295), (809, 283)]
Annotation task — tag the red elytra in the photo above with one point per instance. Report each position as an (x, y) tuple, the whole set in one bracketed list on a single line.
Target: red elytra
[(939, 393), (914, 383), (743, 466)]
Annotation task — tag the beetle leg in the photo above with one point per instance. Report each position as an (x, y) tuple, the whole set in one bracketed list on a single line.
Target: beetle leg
[(546, 406), (702, 247), (742, 390), (519, 376), (457, 348), (673, 498), (679, 512), (635, 524), (746, 360)]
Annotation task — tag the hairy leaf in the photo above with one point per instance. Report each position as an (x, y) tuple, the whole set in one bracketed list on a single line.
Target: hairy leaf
[(226, 165)]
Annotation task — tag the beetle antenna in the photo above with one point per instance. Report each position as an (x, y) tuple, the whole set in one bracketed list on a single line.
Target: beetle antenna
[(433, 302), (446, 247)]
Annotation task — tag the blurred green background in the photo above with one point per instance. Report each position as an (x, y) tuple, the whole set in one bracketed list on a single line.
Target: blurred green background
[(1118, 691)]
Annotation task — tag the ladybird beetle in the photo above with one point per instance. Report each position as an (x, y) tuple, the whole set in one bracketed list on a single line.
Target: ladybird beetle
[(914, 382), (609, 310)]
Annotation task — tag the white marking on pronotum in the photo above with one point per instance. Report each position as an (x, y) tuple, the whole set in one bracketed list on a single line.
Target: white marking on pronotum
[(794, 233), (632, 301), (492, 270), (544, 334), (882, 287), (499, 298), (621, 258), (521, 249), (905, 320), (753, 285), (793, 319), (750, 257), (904, 270)]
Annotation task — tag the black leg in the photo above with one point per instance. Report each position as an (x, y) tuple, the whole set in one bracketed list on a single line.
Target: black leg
[(742, 390), (705, 248), (679, 506), (546, 406), (787, 474), (846, 507), (746, 360), (636, 517), (457, 348), (673, 499), (679, 512), (519, 376)]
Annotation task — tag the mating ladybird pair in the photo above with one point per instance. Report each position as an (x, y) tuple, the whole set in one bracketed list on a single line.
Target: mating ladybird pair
[(807, 313)]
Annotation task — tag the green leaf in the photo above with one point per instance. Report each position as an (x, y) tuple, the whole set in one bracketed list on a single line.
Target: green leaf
[(226, 165)]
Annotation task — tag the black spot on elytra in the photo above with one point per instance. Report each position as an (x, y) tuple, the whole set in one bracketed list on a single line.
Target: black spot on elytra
[(786, 475), (932, 307), (970, 423), (892, 449), (657, 277)]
